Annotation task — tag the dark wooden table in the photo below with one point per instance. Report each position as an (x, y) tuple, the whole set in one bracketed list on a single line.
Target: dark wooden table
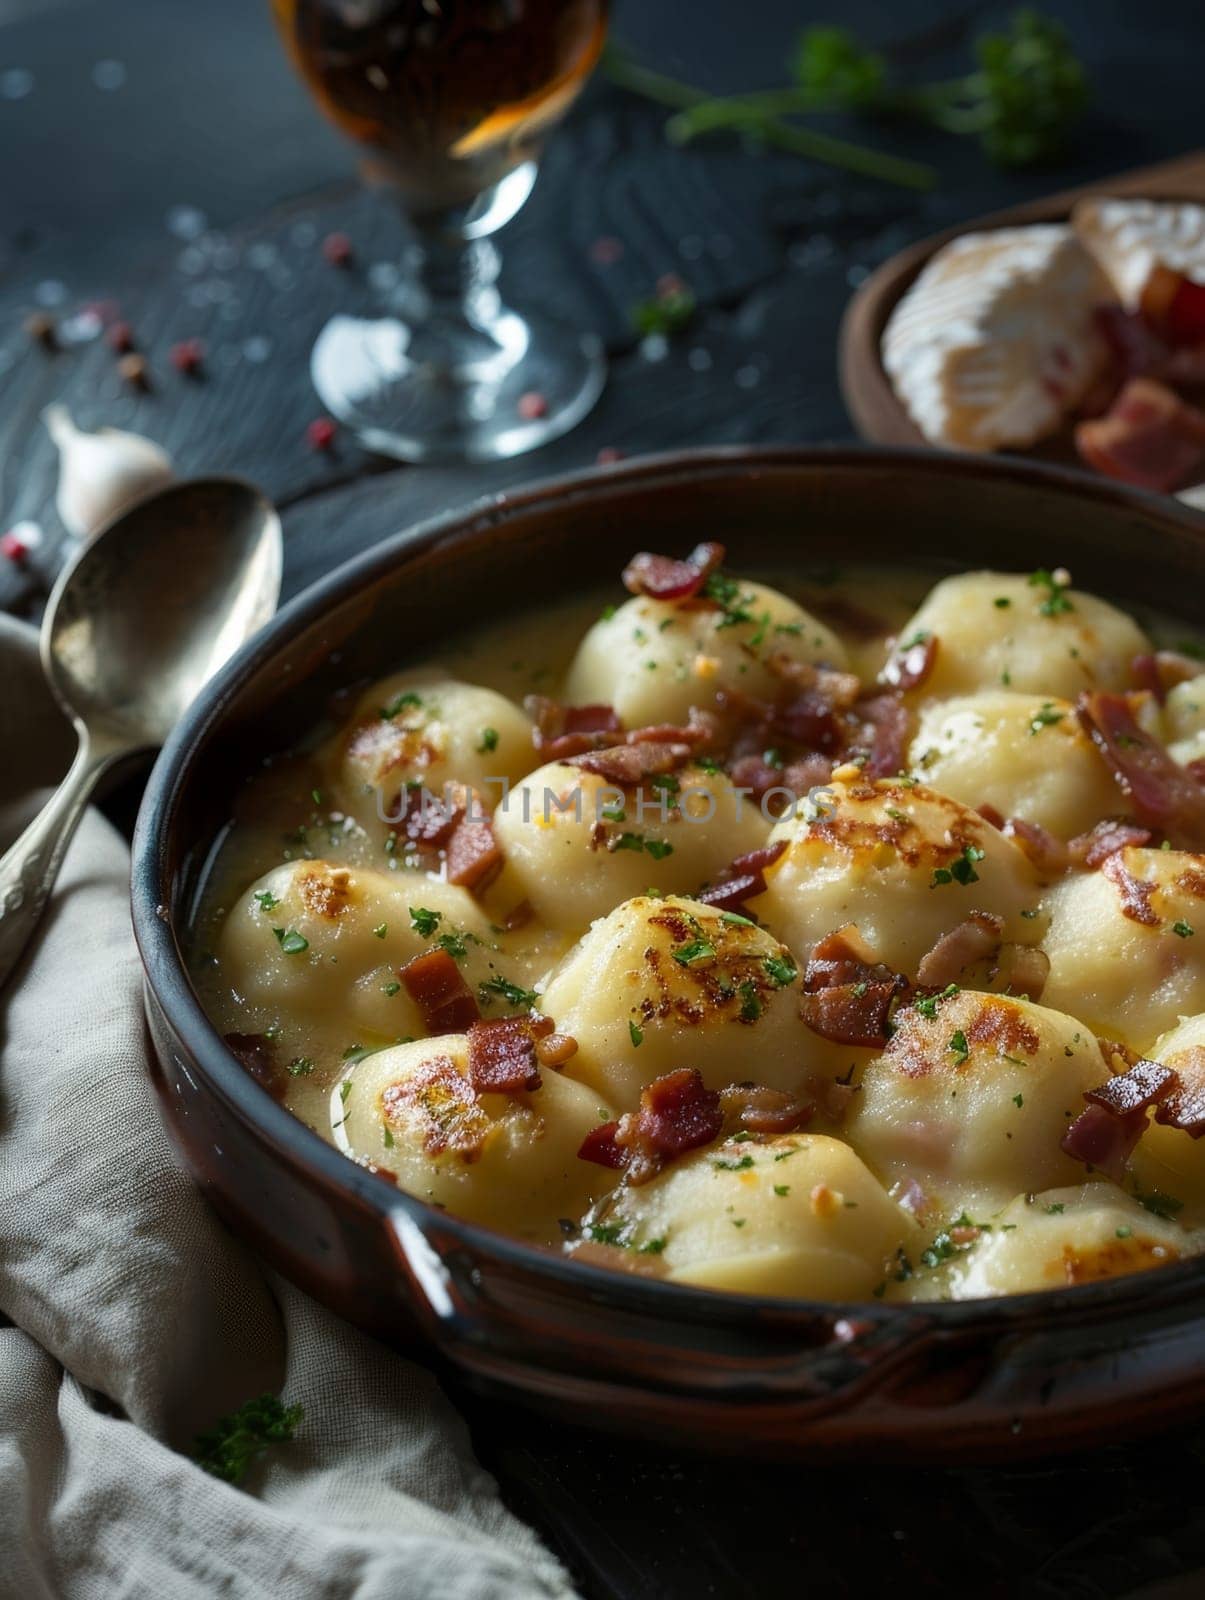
[(162, 156)]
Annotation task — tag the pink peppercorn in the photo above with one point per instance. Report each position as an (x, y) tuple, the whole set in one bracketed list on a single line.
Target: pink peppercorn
[(320, 434), (532, 405), (120, 337), (337, 249), (187, 356), (13, 548), (608, 456)]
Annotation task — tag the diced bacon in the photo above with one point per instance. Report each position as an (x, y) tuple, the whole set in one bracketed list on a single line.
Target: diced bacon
[(990, 814), (1022, 969), (851, 1013), (473, 855), (1150, 438), (677, 1113), (910, 663), (1103, 1140), (1174, 668), (842, 956), (1144, 1084), (1047, 854), (1165, 797), (664, 578), (758, 1109), (628, 765), (436, 985), (882, 735), (743, 879), (1092, 849), (561, 731), (599, 1146), (1184, 1105), (976, 939), (502, 1056)]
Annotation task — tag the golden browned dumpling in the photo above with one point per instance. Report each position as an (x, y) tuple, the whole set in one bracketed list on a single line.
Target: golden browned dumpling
[(796, 1215), (900, 861), (1001, 630), (654, 659), (972, 1097), (509, 1160)]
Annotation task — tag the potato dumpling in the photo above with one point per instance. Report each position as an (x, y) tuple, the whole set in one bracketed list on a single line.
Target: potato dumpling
[(422, 728), (1004, 630), (508, 1160), (904, 863), (576, 845), (794, 1215), (1184, 721), (972, 1097), (1169, 1163), (1127, 944), (662, 984), (314, 940), (1024, 754), (654, 659), (1062, 1237)]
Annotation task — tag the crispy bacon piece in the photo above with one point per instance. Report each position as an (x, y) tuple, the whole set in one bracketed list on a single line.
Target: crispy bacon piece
[(1022, 970), (973, 940), (1184, 1104), (664, 578), (1048, 854), (1140, 1086), (473, 856), (599, 1146), (456, 823), (1093, 848), (847, 996), (628, 765), (559, 732), (989, 814), (677, 1113), (882, 734), (436, 985), (910, 663), (743, 879), (258, 1056), (1150, 438), (1101, 1139), (502, 1056), (1166, 797), (698, 731), (759, 1109), (1135, 893)]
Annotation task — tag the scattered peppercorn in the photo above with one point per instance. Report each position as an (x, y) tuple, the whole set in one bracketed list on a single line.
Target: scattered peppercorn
[(337, 249), (320, 434), (608, 456), (14, 548), (532, 405), (41, 329), (120, 337), (187, 356), (132, 369)]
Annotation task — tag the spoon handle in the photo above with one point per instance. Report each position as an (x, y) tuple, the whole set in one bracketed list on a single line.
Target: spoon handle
[(29, 867)]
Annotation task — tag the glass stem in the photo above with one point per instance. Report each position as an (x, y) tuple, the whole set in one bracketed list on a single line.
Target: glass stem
[(452, 280)]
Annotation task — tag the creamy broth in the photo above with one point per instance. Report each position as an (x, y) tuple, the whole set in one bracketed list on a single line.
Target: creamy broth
[(927, 1163)]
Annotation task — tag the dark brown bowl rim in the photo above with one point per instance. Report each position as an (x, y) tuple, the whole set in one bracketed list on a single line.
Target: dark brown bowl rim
[(168, 980)]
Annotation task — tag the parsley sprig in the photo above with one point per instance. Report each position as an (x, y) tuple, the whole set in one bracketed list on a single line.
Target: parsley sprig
[(235, 1443)]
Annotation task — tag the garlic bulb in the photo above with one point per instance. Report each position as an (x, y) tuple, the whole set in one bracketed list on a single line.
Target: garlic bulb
[(100, 473)]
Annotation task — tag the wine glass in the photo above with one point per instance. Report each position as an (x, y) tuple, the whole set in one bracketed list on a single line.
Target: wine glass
[(452, 100)]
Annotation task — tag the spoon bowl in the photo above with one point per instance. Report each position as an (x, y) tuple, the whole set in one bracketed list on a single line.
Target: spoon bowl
[(136, 624), (151, 608)]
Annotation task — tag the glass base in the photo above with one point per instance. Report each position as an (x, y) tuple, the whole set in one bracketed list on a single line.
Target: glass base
[(447, 390)]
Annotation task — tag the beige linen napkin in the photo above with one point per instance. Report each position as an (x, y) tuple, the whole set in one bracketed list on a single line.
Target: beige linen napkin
[(137, 1320)]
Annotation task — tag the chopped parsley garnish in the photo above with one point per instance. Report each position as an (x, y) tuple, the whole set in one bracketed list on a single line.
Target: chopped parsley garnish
[(652, 1247), (453, 944), (381, 929), (512, 993), (780, 970), (489, 741), (1055, 1208), (390, 989), (735, 918), (657, 848), (1160, 1205), (664, 783), (290, 941), (267, 900), (1002, 602), (423, 921), (235, 1443), (606, 1232), (773, 758), (1046, 717), (686, 955), (1018, 1100), (927, 1005), (751, 1006), (387, 1137), (607, 612), (300, 1067), (782, 1190), (636, 1034), (612, 813), (742, 1165), (1185, 930), (401, 702), (726, 593), (958, 1045), (1124, 1231), (1055, 585), (961, 870)]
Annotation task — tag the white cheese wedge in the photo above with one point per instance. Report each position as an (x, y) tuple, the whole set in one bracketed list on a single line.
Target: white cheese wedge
[(995, 342), (1131, 238)]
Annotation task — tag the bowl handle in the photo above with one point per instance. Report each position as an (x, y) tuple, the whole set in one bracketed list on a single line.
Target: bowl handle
[(504, 1322)]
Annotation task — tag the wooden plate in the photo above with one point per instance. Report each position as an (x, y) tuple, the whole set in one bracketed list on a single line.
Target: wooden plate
[(877, 414)]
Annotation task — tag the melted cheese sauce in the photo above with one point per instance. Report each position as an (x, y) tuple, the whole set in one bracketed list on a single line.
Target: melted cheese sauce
[(931, 1168)]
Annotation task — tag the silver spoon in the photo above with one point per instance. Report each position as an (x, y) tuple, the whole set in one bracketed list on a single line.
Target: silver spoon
[(137, 622)]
